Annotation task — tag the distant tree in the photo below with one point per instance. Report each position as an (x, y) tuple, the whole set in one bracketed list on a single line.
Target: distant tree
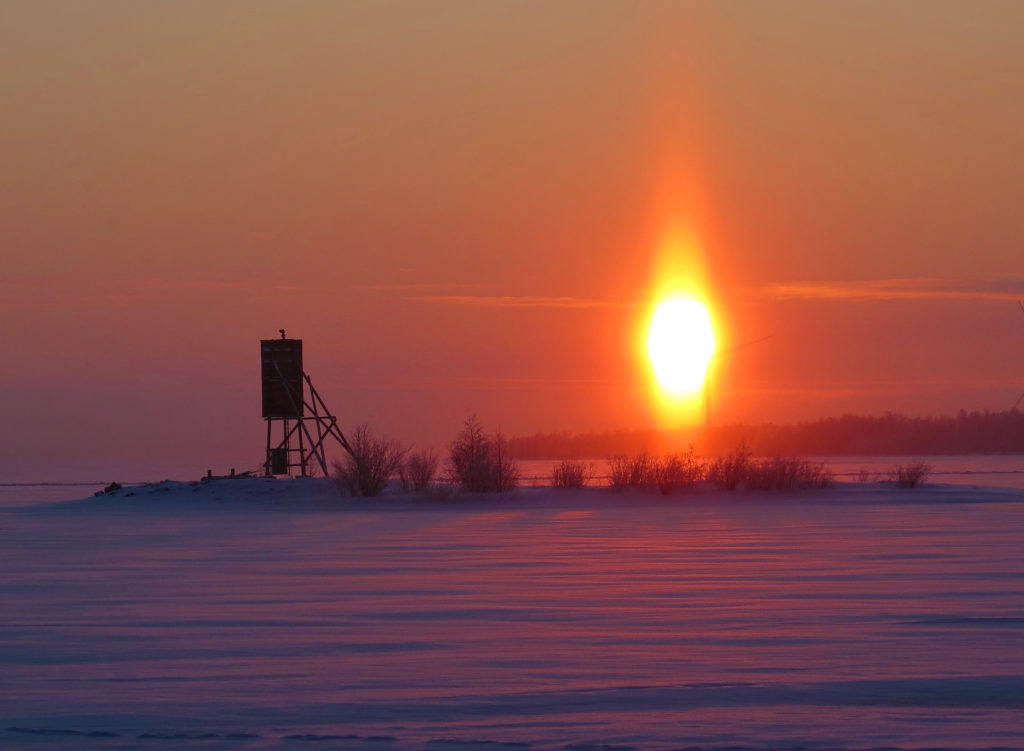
[(786, 474), (570, 474), (637, 471), (676, 472), (479, 463), (729, 472), (911, 475), (369, 467), (418, 470)]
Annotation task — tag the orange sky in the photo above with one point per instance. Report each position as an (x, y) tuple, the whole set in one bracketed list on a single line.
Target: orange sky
[(458, 206)]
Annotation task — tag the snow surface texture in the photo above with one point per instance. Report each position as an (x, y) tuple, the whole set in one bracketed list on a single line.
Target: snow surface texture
[(273, 614)]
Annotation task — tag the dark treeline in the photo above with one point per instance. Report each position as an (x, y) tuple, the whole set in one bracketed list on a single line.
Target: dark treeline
[(850, 435)]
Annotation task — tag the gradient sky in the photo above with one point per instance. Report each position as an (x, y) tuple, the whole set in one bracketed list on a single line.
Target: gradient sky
[(462, 206)]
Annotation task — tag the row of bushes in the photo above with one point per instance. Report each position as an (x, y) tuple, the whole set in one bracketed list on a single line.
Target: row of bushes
[(902, 475), (478, 462), (679, 472)]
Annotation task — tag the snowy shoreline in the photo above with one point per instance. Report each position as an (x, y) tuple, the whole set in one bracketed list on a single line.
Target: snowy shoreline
[(321, 494)]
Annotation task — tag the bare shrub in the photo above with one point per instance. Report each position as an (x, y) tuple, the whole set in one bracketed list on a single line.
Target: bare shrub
[(759, 475), (367, 470), (479, 463), (684, 471), (786, 474), (639, 471), (911, 475), (643, 471), (729, 472), (469, 457), (678, 472), (669, 473), (817, 475), (418, 470), (618, 472), (772, 474), (506, 472), (695, 469), (570, 474)]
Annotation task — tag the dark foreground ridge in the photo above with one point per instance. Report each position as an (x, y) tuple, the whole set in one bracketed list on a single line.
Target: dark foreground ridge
[(72, 738), (260, 495)]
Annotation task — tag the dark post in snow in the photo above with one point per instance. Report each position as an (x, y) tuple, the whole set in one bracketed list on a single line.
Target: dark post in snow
[(291, 407)]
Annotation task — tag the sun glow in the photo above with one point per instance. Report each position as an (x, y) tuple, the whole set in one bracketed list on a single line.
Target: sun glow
[(680, 345)]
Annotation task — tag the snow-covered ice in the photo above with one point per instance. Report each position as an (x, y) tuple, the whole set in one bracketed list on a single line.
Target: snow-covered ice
[(274, 614)]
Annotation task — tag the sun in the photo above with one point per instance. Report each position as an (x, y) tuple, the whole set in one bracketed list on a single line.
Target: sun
[(680, 345)]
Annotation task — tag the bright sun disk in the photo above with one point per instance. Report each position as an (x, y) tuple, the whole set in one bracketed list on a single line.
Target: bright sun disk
[(680, 344)]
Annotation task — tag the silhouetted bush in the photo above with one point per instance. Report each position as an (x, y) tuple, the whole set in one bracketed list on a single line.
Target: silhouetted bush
[(729, 472), (638, 471), (632, 471), (479, 463), (368, 468), (418, 470), (618, 472), (678, 472), (911, 475), (570, 474), (669, 473), (786, 474), (642, 471), (817, 475)]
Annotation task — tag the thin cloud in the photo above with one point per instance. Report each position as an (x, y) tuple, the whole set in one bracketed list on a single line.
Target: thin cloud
[(914, 288), (416, 287), (483, 383), (517, 301), (127, 293)]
